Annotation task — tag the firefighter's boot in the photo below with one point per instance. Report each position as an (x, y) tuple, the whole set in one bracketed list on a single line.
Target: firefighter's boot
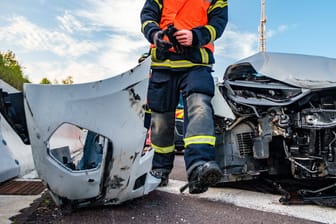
[(203, 176)]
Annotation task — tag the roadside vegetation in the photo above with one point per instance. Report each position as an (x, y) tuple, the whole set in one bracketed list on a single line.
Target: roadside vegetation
[(11, 72)]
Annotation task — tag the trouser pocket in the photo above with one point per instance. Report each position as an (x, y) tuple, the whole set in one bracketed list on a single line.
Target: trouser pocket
[(159, 92)]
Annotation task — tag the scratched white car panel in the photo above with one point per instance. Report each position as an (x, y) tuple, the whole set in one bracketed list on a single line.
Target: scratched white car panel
[(87, 139)]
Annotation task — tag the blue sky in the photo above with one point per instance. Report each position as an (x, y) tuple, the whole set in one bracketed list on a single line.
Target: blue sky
[(97, 39)]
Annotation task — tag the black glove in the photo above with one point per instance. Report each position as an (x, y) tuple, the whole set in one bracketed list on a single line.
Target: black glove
[(160, 43), (170, 34)]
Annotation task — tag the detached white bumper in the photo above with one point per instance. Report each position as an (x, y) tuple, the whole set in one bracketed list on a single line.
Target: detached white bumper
[(87, 139)]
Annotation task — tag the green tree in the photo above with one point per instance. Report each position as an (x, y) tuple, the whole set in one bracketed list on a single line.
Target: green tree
[(45, 81), (68, 80), (11, 71)]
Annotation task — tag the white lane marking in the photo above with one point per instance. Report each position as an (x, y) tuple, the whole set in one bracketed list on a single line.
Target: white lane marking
[(258, 201)]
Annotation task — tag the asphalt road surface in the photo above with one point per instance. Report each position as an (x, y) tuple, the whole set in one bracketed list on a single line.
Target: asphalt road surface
[(160, 206)]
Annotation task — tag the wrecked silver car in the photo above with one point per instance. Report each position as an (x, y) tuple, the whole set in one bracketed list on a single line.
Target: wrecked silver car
[(87, 139), (275, 116), (285, 119)]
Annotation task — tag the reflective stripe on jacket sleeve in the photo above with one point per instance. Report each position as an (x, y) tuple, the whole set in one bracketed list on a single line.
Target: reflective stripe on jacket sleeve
[(150, 18)]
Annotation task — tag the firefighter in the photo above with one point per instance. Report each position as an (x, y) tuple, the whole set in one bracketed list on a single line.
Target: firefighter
[(182, 35)]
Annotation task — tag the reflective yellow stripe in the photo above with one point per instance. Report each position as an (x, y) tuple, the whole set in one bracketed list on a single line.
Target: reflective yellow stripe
[(212, 32), (158, 3), (176, 64), (204, 55), (146, 23), (163, 150), (218, 4), (148, 111), (200, 139), (153, 54)]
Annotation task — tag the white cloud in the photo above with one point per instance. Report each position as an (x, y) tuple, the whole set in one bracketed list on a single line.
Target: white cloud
[(280, 29), (122, 16), (235, 44), (25, 35), (122, 52), (71, 24), (114, 53), (56, 70), (120, 42)]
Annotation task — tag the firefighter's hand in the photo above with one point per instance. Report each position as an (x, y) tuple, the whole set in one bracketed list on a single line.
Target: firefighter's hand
[(159, 42), (184, 37)]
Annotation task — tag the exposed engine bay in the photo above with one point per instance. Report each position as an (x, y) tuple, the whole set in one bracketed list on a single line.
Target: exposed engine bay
[(282, 128)]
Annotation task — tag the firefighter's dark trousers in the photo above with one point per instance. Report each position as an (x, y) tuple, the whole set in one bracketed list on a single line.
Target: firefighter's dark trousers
[(197, 88)]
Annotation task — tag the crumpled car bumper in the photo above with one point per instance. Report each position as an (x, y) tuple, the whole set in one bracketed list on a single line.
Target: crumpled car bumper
[(87, 139)]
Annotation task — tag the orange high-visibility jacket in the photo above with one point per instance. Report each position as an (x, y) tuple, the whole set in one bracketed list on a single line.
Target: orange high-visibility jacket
[(205, 18)]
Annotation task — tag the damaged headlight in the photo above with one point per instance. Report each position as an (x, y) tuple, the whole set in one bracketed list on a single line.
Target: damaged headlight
[(262, 92)]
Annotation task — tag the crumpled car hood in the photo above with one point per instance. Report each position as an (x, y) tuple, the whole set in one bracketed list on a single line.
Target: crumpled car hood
[(303, 71)]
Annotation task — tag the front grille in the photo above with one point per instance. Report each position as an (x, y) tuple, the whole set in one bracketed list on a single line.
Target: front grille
[(245, 143)]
